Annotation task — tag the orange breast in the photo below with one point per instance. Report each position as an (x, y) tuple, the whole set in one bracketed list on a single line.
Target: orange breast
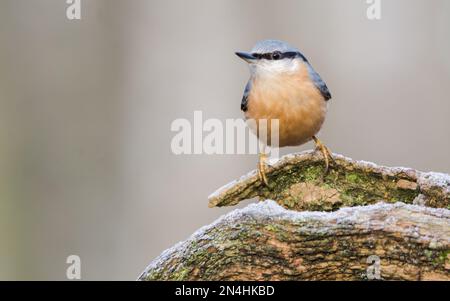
[(294, 100)]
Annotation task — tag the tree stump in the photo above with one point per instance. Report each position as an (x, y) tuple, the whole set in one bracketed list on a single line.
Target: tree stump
[(359, 221)]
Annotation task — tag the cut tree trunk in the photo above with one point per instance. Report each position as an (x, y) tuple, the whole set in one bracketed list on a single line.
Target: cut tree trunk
[(388, 230)]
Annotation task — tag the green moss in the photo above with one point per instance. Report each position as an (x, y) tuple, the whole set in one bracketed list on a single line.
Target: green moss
[(352, 198), (270, 228), (289, 203), (281, 179), (360, 188), (401, 195), (181, 274), (313, 173), (326, 186), (437, 258), (442, 257), (428, 254), (356, 187), (352, 178), (282, 236)]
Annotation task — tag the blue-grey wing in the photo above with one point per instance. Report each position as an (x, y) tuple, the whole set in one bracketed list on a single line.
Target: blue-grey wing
[(244, 102), (320, 84)]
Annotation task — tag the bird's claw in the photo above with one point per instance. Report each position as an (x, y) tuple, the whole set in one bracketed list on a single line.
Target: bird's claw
[(325, 152), (262, 169)]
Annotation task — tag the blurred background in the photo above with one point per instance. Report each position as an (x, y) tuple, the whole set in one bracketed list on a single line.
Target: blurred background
[(86, 106)]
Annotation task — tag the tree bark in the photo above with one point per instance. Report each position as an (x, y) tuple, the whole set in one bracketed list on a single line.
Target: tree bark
[(298, 182), (384, 239)]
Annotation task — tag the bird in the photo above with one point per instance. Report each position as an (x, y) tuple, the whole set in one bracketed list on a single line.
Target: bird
[(283, 86)]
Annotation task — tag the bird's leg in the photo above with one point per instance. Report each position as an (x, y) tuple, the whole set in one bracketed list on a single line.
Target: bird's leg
[(325, 152), (262, 168)]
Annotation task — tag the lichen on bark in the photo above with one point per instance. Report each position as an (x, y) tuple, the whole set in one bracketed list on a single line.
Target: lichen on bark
[(321, 226), (299, 182), (267, 242)]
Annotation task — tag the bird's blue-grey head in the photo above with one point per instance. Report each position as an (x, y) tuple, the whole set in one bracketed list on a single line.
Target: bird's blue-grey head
[(272, 56)]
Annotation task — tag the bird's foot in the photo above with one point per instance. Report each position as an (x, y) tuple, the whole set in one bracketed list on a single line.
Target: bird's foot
[(325, 152), (262, 169)]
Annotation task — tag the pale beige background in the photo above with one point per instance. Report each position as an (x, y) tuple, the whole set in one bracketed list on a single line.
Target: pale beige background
[(86, 108)]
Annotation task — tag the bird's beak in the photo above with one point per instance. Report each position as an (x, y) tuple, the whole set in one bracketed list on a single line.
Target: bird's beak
[(248, 57)]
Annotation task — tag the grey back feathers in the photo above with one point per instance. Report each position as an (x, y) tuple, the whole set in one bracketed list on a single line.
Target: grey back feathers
[(319, 83), (244, 102)]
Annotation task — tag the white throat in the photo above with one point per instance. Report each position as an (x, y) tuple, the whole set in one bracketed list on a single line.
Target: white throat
[(269, 68)]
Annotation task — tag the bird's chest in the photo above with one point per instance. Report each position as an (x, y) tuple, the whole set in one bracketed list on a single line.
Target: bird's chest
[(294, 101)]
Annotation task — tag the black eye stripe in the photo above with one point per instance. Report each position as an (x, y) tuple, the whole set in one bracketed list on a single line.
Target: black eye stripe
[(291, 55), (278, 55)]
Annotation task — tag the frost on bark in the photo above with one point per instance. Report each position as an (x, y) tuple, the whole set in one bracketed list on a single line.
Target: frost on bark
[(360, 221), (298, 182)]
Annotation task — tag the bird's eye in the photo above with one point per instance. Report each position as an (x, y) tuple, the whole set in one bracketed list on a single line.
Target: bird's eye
[(276, 55)]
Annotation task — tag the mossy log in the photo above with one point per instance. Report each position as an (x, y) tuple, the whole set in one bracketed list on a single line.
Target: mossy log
[(388, 226), (267, 242), (298, 182)]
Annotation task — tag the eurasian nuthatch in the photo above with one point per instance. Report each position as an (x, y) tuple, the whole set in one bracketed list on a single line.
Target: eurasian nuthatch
[(284, 86)]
